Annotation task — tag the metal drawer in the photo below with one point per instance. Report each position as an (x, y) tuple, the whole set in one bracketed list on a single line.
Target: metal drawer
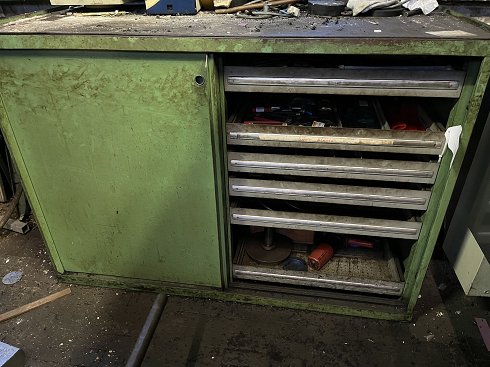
[(333, 194), (326, 223), (392, 141), (412, 82), (351, 168), (376, 271), (309, 279)]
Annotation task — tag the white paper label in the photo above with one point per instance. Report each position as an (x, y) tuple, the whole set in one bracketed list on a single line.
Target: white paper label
[(452, 141)]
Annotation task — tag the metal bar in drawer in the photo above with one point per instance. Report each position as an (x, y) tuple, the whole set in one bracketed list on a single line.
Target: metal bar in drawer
[(351, 168), (412, 142), (415, 83), (335, 194), (315, 280), (326, 223)]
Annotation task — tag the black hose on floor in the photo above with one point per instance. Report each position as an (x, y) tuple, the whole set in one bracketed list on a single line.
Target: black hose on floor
[(147, 331)]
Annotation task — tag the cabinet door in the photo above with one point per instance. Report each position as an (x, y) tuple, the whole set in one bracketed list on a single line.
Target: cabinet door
[(117, 147)]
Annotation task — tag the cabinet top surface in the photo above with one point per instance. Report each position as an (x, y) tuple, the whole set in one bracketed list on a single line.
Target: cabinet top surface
[(207, 25)]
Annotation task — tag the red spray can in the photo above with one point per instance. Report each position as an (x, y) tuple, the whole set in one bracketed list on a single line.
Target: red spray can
[(320, 256)]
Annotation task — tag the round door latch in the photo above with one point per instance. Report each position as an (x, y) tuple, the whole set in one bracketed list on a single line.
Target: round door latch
[(199, 79)]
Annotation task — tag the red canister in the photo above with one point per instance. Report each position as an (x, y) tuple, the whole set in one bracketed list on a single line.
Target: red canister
[(320, 256)]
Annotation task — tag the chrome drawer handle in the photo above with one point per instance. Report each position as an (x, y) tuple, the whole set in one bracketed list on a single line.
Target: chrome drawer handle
[(343, 82), (326, 194), (332, 168), (319, 223)]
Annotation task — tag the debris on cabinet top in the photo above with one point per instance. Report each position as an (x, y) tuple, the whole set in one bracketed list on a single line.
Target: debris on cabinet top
[(206, 24)]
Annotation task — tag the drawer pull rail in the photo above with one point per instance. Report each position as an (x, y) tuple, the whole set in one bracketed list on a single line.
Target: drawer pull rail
[(312, 280), (344, 83), (328, 196), (332, 168)]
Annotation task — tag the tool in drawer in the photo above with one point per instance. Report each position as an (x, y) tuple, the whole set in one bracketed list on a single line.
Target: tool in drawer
[(295, 263), (359, 113), (299, 111), (357, 242), (320, 256), (268, 247), (405, 115)]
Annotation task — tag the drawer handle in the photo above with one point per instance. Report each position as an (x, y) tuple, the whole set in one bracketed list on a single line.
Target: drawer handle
[(329, 195), (319, 223), (346, 83), (332, 168), (294, 138)]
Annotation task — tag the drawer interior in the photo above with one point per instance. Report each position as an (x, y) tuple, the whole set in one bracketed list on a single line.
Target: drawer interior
[(375, 270)]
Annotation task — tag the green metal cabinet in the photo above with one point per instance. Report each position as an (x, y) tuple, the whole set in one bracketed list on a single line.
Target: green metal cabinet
[(118, 132), (117, 146)]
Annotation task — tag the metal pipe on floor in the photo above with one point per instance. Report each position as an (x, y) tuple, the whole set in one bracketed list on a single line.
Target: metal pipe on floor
[(146, 333)]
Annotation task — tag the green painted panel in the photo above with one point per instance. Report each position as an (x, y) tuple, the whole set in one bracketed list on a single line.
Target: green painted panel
[(320, 46), (118, 150)]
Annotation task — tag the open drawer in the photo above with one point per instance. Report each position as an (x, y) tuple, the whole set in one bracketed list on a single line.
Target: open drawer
[(406, 82), (376, 271), (390, 141)]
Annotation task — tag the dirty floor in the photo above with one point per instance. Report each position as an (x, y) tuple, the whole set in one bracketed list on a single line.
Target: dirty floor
[(98, 327)]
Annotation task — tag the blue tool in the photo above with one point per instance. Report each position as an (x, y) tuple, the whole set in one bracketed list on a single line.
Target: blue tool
[(295, 263), (172, 7)]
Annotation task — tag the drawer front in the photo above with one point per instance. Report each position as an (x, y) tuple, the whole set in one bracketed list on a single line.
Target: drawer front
[(359, 81), (326, 223), (351, 168), (333, 194), (309, 279), (391, 141)]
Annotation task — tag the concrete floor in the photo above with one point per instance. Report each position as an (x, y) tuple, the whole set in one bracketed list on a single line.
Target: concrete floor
[(98, 327)]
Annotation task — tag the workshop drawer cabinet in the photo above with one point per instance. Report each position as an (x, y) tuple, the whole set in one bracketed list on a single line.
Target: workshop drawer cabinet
[(116, 149), (304, 170), (178, 159)]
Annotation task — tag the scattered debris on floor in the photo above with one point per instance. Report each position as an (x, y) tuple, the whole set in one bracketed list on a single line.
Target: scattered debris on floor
[(12, 277), (429, 337)]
